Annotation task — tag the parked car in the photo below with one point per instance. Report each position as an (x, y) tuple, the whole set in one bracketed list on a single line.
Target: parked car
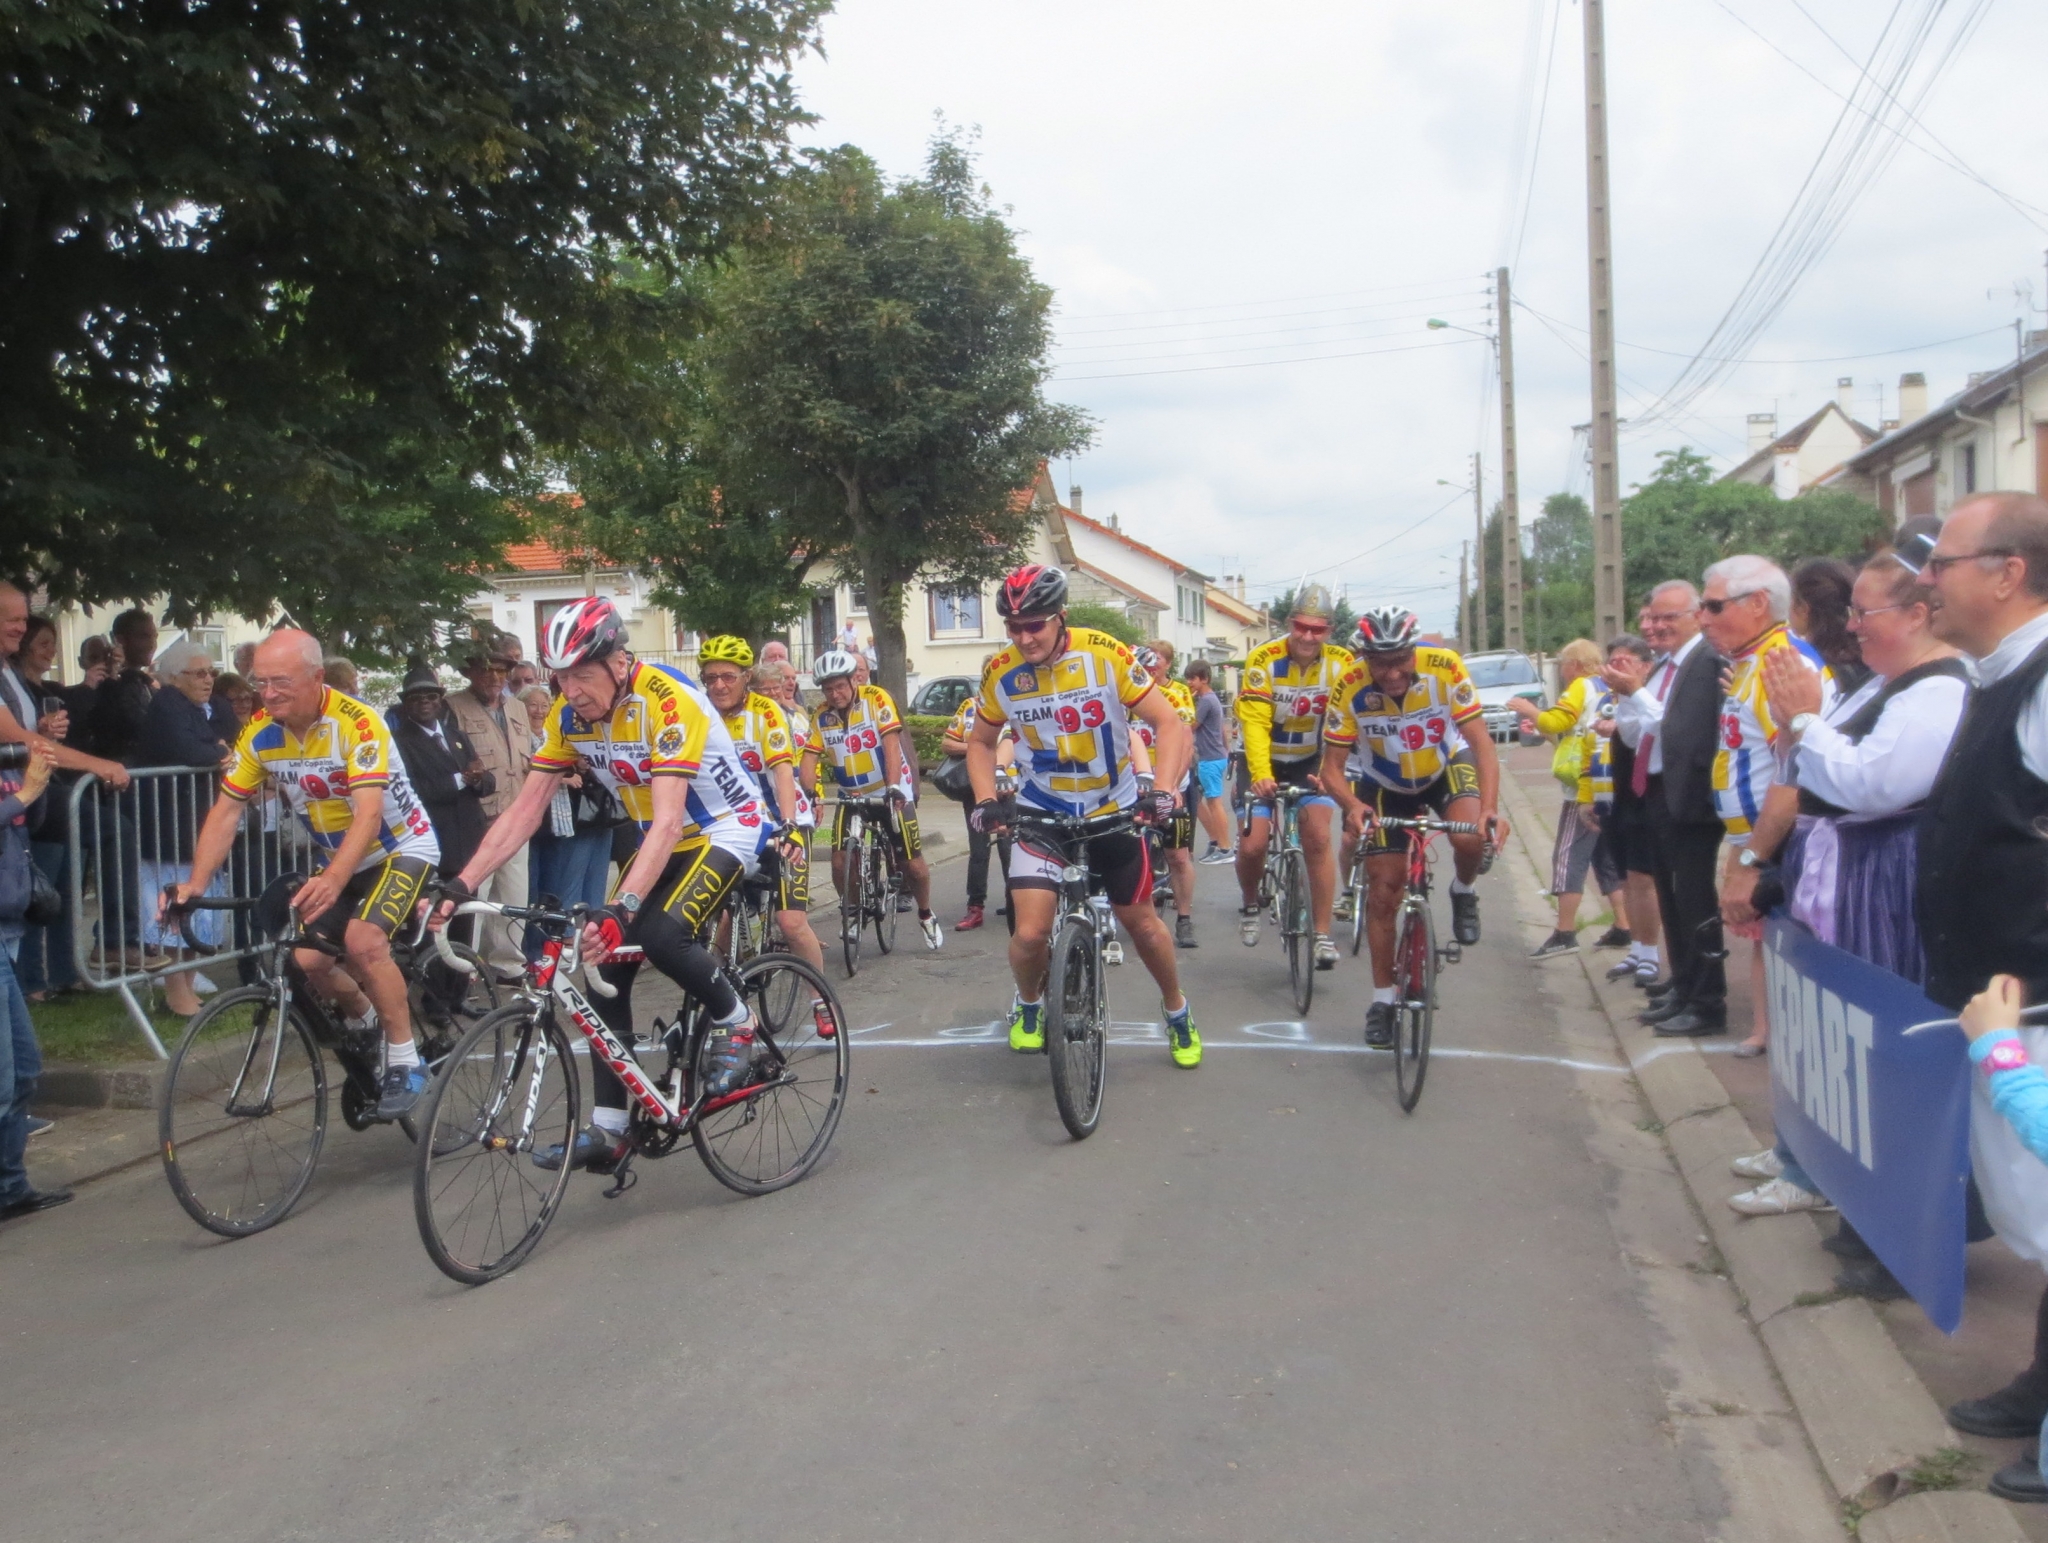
[(1498, 677), (941, 696)]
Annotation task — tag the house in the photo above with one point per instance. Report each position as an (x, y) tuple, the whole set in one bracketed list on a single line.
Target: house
[(1808, 454), (543, 580), (1986, 438), (1236, 626)]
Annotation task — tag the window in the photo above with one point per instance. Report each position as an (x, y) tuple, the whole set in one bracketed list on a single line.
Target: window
[(1967, 467), (857, 598), (956, 613), (1191, 606)]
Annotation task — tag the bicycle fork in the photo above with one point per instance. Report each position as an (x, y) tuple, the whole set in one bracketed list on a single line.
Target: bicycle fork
[(282, 1022)]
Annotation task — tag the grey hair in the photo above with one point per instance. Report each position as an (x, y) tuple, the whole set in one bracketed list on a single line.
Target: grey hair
[(769, 672), (528, 693), (1746, 573), (1692, 596)]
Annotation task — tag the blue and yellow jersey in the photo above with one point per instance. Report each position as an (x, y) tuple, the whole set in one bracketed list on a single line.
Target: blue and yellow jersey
[(1282, 705), (663, 725), (346, 749), (1403, 745), (1181, 697), (850, 743), (760, 733), (1073, 737), (1746, 763)]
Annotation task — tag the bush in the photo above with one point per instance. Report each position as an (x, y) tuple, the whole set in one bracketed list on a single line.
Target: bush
[(926, 733), (1105, 619)]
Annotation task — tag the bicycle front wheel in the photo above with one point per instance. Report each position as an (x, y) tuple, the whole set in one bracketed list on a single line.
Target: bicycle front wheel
[(1077, 1028), (884, 885), (1415, 1013), (1359, 891), (507, 1093), (853, 865), (243, 1114), (1297, 927), (773, 1133)]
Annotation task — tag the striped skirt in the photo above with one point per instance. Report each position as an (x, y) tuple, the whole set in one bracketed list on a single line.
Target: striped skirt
[(1851, 882)]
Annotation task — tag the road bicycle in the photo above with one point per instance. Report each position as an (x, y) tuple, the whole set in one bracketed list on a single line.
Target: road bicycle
[(870, 880), (1356, 888), (747, 926), (244, 1108), (509, 1091), (1284, 891), (1083, 943), (1418, 957)]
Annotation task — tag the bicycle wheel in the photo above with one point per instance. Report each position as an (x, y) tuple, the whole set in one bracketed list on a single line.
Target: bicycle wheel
[(243, 1114), (772, 1134), (507, 1091), (1358, 906), (444, 1001), (1415, 1014), (884, 885), (851, 917), (1297, 927), (1076, 1029)]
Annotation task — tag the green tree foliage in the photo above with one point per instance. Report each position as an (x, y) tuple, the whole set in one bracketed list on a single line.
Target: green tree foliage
[(286, 279), (875, 364), (1557, 584), (1105, 618)]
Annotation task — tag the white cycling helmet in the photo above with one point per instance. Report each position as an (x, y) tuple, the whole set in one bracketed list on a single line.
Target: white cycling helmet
[(833, 664)]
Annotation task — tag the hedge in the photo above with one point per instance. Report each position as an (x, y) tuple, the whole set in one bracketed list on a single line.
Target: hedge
[(925, 735)]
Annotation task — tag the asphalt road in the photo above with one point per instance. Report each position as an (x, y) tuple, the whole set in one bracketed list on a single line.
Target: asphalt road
[(1259, 1303)]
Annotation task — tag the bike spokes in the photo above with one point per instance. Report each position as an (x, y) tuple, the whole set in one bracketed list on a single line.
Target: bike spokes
[(775, 1129)]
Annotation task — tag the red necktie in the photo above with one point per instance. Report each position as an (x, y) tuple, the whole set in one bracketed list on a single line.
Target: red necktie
[(1639, 777)]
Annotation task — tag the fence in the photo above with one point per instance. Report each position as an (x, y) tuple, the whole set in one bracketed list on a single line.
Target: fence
[(124, 847)]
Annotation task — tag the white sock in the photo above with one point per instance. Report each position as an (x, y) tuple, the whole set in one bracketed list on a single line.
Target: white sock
[(407, 1054), (613, 1120), (361, 1025), (740, 1017), (1460, 887), (1647, 952), (1385, 994), (1635, 952)]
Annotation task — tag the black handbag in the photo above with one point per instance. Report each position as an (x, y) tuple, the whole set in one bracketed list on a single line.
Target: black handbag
[(45, 902), (951, 779)]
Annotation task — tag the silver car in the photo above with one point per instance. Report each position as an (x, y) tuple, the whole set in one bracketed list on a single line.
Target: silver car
[(1500, 676)]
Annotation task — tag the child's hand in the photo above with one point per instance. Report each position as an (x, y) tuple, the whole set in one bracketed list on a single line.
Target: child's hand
[(1997, 1006)]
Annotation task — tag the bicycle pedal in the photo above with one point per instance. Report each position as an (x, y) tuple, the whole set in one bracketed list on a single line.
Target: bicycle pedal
[(1450, 953), (623, 1178)]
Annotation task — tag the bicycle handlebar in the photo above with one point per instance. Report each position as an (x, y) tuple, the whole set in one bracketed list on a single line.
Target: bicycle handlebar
[(1431, 823), (534, 913)]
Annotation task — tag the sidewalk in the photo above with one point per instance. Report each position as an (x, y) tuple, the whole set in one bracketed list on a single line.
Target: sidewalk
[(1868, 1399)]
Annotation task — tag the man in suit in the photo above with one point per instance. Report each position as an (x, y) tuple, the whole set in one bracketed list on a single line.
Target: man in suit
[(442, 765), (1671, 715)]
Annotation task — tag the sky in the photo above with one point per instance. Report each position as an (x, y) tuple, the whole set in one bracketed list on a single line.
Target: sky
[(1248, 216)]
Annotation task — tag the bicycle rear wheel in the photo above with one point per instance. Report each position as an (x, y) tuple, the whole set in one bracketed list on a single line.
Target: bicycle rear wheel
[(1076, 1028), (444, 1001), (773, 1134), (1359, 892), (851, 917), (1415, 1013), (884, 885), (507, 1091), (1297, 927), (243, 1114)]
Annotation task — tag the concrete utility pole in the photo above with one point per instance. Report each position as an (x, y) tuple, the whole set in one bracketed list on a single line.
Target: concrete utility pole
[(1510, 489), (1607, 566), (1464, 600), (1480, 631)]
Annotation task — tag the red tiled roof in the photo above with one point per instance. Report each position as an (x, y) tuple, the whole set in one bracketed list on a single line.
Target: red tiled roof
[(1233, 607), (1116, 535)]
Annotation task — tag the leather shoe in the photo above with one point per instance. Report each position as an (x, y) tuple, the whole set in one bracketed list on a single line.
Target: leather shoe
[(35, 1200), (1869, 1278), (1662, 987), (2021, 1481), (1693, 1023), (1657, 1012), (2012, 1413)]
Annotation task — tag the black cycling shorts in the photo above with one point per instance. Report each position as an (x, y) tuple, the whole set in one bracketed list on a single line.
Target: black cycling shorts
[(1460, 779), (382, 895), (901, 824), (1120, 859)]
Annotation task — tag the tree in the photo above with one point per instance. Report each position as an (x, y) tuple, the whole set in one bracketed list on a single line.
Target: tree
[(279, 273), (876, 359), (1105, 618)]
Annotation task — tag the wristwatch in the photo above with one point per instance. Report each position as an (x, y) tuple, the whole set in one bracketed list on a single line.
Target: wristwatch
[(628, 902), (1801, 722), (1747, 858)]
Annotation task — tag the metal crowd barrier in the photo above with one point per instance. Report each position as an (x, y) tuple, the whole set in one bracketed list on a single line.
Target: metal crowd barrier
[(125, 846)]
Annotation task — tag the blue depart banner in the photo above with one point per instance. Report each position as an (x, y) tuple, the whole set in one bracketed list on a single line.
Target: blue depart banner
[(1880, 1119)]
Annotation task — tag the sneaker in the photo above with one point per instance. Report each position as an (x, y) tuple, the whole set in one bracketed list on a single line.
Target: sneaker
[(1778, 1197), (1557, 943), (402, 1088), (1614, 937), (1027, 1028), (596, 1150), (970, 921), (1623, 971), (732, 1057), (1379, 1026), (1183, 1040), (1251, 921), (37, 1125), (1761, 1166), (934, 934), (1346, 906), (904, 901), (1184, 933), (1326, 952), (1216, 855), (1465, 917)]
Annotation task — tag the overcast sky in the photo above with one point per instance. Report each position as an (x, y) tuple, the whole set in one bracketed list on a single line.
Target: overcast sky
[(1212, 185)]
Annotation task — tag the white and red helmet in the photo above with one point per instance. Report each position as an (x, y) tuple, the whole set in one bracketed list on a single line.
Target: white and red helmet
[(582, 631)]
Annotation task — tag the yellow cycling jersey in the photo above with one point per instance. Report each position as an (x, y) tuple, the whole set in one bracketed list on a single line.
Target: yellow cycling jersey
[(850, 743), (1073, 738), (663, 725), (346, 749), (1282, 704), (1404, 745), (760, 733), (1181, 697)]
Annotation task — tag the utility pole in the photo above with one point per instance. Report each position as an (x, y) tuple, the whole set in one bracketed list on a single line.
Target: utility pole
[(1607, 563), (1464, 603), (1510, 490), (1481, 633)]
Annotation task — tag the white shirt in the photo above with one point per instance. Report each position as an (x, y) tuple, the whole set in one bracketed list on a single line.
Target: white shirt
[(2008, 656), (1894, 766), (1635, 716)]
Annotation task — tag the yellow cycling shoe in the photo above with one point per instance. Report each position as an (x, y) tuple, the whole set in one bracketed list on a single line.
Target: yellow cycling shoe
[(1184, 1041), (1027, 1040)]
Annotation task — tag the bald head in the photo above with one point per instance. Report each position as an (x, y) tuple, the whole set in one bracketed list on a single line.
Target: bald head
[(13, 620), (288, 649), (2015, 523), (288, 678)]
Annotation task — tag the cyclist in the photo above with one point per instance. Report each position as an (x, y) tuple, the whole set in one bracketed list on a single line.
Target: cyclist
[(1177, 839), (651, 735), (1287, 688), (332, 759), (1066, 690), (859, 734), (1387, 753), (760, 732)]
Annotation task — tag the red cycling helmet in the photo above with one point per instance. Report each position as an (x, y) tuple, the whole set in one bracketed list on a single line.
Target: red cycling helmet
[(582, 631), (1036, 589)]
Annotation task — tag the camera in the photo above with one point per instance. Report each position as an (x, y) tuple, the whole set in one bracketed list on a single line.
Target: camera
[(13, 757)]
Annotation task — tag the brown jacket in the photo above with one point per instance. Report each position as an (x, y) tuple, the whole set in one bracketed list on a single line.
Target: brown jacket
[(500, 736)]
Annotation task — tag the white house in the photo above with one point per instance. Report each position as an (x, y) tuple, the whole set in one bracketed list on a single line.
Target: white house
[(1986, 438), (1808, 454)]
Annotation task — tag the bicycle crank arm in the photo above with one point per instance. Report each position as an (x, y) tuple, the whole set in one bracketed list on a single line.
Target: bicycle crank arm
[(741, 1095)]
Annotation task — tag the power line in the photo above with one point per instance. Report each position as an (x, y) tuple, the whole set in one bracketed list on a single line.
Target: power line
[(1225, 305), (1220, 337), (1405, 303), (1535, 157), (1253, 364), (1882, 353)]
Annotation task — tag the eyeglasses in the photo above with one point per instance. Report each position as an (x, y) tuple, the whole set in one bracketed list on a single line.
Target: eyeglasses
[(1311, 629), (1028, 626), (1716, 607), (263, 685), (1857, 613), (1938, 565)]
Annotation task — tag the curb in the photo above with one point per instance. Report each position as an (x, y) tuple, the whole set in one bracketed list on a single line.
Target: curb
[(127, 1085), (1869, 1418)]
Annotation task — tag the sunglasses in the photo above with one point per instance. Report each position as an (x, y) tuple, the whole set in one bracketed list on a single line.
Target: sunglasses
[(1028, 626), (1312, 629), (1716, 607)]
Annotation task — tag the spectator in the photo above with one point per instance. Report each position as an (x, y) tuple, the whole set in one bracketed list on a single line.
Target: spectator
[(21, 1059), (1673, 714), (1822, 589), (122, 701), (341, 674), (1580, 764), (233, 704), (954, 742), (863, 671), (442, 765), (774, 651), (571, 852), (177, 732), (1627, 833), (245, 660), (1212, 762), (45, 967), (849, 638), (522, 678), (95, 664), (499, 733)]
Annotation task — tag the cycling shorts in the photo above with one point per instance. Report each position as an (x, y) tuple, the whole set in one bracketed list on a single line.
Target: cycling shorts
[(901, 825), (790, 861), (1120, 860), (1460, 780), (693, 885), (383, 895), (1294, 774)]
